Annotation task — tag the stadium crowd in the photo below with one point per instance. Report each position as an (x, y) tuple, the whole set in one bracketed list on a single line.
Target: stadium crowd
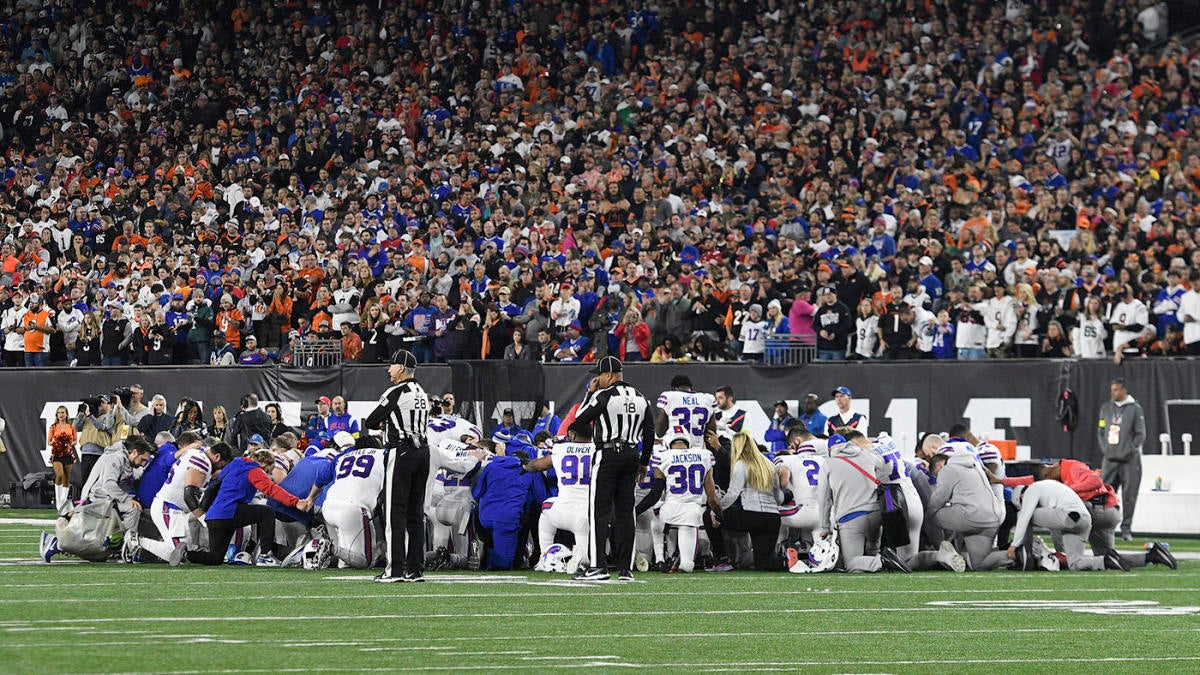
[(813, 493), (213, 182)]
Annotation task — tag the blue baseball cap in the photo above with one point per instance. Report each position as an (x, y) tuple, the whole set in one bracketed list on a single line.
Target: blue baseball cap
[(255, 439), (835, 439), (841, 390)]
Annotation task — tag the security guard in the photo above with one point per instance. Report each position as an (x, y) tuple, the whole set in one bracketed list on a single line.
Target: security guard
[(402, 413), (619, 417)]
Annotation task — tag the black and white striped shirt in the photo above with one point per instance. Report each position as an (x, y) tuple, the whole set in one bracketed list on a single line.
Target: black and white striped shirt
[(619, 414), (403, 413)]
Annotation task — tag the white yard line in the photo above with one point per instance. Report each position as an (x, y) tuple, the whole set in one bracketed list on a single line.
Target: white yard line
[(1014, 603), (499, 615)]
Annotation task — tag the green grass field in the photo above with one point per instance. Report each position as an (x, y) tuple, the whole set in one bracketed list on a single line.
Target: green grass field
[(113, 618)]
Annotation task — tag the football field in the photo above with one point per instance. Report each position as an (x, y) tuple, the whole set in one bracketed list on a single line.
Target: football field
[(72, 617)]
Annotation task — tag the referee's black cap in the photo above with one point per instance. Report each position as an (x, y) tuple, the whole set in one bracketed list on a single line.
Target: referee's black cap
[(608, 364), (405, 358)]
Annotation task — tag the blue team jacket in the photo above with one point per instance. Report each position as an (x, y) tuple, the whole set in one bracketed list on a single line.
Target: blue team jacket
[(156, 474), (312, 470), (504, 490)]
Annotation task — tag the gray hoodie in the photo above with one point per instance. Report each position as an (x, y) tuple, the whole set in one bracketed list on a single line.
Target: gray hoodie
[(846, 489), (1124, 423), (962, 483)]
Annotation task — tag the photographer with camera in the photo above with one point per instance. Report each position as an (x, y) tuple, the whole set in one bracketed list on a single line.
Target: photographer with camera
[(95, 421)]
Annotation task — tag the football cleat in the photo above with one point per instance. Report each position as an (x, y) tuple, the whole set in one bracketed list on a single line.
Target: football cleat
[(794, 564), (1158, 553), (384, 578), (1126, 533), (413, 577), (1043, 556), (49, 546), (179, 555), (722, 565), (440, 559), (296, 557), (1114, 561), (891, 561), (591, 574), (266, 560), (625, 575), (948, 557)]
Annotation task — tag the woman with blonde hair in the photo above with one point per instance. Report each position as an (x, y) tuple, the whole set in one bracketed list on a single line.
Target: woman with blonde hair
[(1026, 339), (751, 502), (219, 423)]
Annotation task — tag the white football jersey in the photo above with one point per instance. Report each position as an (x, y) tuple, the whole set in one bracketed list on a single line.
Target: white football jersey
[(684, 470), (887, 448), (453, 456), (688, 409), (642, 488), (450, 427), (807, 472), (573, 467), (358, 478), (172, 490)]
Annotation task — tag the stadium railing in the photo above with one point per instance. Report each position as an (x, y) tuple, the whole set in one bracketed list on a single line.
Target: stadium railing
[(785, 349), (318, 353)]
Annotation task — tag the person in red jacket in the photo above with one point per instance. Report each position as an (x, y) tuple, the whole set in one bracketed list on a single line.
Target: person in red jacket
[(633, 329), (1104, 506)]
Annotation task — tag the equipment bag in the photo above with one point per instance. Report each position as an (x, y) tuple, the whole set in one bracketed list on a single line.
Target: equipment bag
[(93, 529), (892, 509)]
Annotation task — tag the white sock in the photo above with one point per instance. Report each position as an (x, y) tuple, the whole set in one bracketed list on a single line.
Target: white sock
[(60, 496)]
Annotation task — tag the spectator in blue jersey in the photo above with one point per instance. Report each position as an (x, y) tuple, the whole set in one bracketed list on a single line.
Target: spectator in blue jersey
[(253, 355), (574, 346), (232, 508), (943, 337), (156, 471), (341, 420), (180, 322), (811, 417), (505, 494), (929, 280), (776, 434)]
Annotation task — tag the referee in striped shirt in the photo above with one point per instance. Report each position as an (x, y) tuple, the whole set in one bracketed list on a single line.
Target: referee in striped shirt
[(402, 413), (619, 417)]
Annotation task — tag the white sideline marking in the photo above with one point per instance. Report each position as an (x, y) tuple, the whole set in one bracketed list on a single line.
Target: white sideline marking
[(725, 666), (497, 615), (28, 521), (366, 645)]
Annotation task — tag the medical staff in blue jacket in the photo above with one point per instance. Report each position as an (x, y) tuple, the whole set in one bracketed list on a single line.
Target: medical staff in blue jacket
[(505, 493)]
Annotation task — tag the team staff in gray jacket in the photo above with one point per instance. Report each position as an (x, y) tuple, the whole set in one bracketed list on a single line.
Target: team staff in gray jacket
[(1121, 432), (962, 502), (853, 472), (114, 475)]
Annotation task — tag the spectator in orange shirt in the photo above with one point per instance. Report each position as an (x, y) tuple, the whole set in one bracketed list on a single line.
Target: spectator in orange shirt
[(36, 325), (352, 345), (230, 322)]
